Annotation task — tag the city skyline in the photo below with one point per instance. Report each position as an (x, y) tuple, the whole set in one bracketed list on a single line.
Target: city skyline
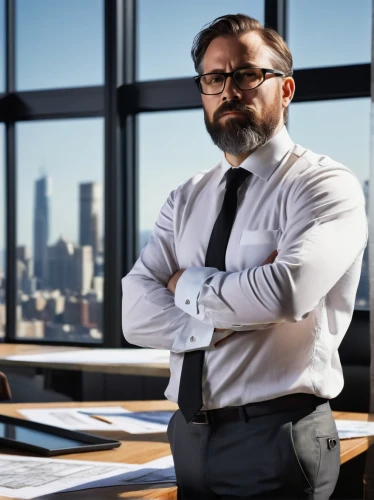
[(90, 208), (77, 158), (43, 262), (60, 285), (90, 217)]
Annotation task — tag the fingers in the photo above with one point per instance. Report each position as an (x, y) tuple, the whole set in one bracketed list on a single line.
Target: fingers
[(223, 340), (271, 258), (172, 285)]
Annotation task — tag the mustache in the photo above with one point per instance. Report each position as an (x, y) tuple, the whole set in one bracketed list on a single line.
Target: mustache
[(232, 106)]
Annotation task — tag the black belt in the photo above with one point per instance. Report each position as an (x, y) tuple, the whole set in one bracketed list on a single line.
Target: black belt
[(234, 413)]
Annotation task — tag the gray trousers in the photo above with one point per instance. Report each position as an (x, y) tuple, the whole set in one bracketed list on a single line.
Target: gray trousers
[(283, 455)]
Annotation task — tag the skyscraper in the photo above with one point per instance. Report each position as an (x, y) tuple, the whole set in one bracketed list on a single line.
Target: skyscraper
[(60, 265), (83, 267), (43, 189), (90, 216)]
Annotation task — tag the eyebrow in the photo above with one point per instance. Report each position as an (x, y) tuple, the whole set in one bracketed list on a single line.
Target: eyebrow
[(242, 66)]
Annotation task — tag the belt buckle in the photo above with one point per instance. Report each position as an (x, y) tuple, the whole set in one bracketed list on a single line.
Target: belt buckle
[(205, 415)]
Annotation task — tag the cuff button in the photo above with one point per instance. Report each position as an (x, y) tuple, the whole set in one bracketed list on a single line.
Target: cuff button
[(193, 339), (187, 302)]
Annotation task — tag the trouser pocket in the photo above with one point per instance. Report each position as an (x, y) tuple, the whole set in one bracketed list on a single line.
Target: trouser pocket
[(317, 450), (329, 466), (305, 454)]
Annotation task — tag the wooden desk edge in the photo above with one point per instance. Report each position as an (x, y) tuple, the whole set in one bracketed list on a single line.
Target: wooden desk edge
[(142, 369)]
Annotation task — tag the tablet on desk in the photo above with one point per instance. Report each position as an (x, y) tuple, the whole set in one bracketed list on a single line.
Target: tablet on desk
[(48, 440)]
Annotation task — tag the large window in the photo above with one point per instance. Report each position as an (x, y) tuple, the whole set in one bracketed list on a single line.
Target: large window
[(177, 147), (329, 33), (59, 43), (60, 230), (166, 30), (57, 151), (339, 129)]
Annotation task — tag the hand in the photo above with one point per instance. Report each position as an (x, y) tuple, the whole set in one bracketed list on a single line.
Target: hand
[(172, 285), (269, 260), (225, 338)]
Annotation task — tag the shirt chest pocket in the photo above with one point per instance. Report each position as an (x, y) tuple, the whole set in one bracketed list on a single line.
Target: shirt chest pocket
[(255, 246)]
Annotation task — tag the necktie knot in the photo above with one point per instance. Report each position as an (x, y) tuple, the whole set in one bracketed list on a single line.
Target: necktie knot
[(235, 177)]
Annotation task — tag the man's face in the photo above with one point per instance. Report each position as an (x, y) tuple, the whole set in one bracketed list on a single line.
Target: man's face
[(255, 113)]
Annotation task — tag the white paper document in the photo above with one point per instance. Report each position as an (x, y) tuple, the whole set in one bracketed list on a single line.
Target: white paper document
[(29, 477), (88, 418), (100, 356), (145, 422), (354, 428), (156, 472), (73, 418)]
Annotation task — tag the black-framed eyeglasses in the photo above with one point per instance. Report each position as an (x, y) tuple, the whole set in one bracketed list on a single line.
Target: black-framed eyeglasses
[(245, 79)]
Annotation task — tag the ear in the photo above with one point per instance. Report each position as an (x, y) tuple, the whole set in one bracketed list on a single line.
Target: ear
[(288, 90)]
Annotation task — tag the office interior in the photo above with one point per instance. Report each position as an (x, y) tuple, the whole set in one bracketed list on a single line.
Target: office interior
[(86, 112)]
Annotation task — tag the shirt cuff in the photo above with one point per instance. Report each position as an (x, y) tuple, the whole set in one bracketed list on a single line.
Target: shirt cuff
[(188, 289), (195, 335)]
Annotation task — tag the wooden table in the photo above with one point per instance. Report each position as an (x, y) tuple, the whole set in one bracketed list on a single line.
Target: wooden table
[(350, 448), (143, 448), (134, 449), (145, 369)]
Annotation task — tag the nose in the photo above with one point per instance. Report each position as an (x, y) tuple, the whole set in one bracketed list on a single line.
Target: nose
[(231, 91)]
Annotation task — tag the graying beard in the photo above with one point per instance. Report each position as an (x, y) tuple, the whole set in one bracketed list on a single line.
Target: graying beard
[(239, 141)]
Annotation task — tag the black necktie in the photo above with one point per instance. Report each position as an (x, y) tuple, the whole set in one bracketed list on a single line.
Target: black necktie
[(190, 398)]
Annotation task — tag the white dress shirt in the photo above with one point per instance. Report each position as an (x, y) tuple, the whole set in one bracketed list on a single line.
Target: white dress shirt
[(288, 317)]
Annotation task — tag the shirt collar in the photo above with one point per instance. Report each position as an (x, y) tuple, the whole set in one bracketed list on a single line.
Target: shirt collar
[(264, 161)]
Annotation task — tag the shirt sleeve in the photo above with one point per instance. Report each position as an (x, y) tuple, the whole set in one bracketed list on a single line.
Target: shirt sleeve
[(150, 317), (326, 230)]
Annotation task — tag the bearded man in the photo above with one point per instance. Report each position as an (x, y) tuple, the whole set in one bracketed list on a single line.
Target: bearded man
[(249, 279)]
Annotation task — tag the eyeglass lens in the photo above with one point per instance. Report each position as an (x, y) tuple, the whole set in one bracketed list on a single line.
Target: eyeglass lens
[(245, 79)]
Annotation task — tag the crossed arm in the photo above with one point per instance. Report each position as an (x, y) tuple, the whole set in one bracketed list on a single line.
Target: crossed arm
[(326, 230), (172, 285)]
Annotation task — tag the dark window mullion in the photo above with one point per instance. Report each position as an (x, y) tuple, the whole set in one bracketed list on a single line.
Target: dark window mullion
[(127, 142), (119, 163), (54, 104), (10, 176), (275, 16), (317, 84)]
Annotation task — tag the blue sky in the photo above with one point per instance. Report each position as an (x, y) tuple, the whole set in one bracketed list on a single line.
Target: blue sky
[(60, 44)]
